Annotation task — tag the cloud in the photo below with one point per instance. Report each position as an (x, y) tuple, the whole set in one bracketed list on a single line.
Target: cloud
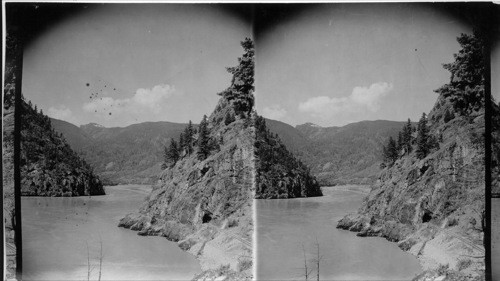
[(147, 103), (361, 99), (275, 112), (60, 112)]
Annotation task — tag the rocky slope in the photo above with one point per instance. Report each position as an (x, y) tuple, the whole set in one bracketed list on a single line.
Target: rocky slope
[(279, 174), (432, 202), (433, 207), (204, 197), (206, 205), (49, 167)]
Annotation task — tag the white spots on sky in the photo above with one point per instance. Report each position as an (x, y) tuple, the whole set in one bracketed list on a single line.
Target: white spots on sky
[(145, 102)]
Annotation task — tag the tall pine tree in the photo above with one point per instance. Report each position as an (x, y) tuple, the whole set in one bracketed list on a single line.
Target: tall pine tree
[(188, 138), (407, 137), (203, 139), (422, 137), (240, 93), (466, 87), (172, 153), (390, 151)]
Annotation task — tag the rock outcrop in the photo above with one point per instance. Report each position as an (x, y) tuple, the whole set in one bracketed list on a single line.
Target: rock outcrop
[(433, 207), (206, 205), (432, 203), (279, 174), (204, 197)]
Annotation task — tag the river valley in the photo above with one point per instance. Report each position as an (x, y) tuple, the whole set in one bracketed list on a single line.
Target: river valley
[(284, 225), (56, 231)]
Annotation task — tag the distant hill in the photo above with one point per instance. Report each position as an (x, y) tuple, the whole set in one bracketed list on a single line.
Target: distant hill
[(134, 154), (339, 155), (131, 154)]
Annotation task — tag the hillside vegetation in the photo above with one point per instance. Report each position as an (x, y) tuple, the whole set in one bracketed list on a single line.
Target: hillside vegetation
[(349, 154), (430, 196), (131, 154), (279, 174), (49, 167)]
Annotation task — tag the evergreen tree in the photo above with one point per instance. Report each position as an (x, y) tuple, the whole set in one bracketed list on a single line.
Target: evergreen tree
[(400, 144), (390, 151), (172, 153), (466, 87), (203, 140), (448, 116), (229, 118), (422, 137), (407, 137), (188, 135), (182, 143), (241, 90)]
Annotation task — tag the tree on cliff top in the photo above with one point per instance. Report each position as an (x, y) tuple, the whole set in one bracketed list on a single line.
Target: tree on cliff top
[(240, 93), (466, 87)]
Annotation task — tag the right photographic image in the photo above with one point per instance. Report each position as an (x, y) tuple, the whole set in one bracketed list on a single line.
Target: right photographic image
[(372, 145)]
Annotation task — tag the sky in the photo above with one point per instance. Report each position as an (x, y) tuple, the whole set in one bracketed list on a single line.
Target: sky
[(329, 64), (117, 65), (334, 64)]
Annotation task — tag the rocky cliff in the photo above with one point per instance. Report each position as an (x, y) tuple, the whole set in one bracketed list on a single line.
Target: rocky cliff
[(432, 201), (206, 205), (433, 207), (204, 197)]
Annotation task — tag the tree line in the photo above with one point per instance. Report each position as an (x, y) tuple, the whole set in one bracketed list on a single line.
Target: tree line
[(410, 139), (191, 140)]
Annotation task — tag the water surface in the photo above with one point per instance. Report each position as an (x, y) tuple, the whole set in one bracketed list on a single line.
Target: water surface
[(283, 226), (56, 232)]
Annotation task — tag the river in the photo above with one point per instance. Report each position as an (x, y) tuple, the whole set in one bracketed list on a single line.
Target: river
[(284, 225), (56, 232)]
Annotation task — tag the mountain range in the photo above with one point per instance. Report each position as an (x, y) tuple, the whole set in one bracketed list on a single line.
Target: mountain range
[(134, 154)]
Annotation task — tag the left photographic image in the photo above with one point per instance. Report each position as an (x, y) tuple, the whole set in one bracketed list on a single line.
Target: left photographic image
[(128, 133)]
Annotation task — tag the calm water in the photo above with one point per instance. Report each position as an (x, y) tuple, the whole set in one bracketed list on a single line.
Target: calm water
[(285, 225), (56, 232)]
